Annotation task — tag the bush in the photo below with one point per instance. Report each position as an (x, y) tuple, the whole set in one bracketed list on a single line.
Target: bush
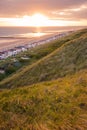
[(10, 69), (2, 76)]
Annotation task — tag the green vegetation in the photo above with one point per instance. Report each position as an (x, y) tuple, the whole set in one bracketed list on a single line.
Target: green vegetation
[(2, 76), (49, 90), (68, 58), (54, 105)]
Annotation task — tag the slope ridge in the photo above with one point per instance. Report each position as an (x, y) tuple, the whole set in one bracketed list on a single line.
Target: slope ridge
[(67, 59)]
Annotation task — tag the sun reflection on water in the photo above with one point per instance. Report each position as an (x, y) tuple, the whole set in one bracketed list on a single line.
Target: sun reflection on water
[(30, 35)]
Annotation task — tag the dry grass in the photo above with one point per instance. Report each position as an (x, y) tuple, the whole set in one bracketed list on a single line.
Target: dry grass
[(55, 105)]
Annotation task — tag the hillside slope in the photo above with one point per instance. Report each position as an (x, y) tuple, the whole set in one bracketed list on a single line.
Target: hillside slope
[(14, 64), (54, 105), (67, 59)]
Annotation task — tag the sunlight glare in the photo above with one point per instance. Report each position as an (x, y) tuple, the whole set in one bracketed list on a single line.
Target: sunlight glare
[(36, 20)]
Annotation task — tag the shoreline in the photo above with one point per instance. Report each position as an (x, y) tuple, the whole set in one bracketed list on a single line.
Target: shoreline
[(12, 42), (14, 48)]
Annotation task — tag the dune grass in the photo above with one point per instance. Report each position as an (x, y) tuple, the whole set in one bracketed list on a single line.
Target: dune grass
[(54, 105)]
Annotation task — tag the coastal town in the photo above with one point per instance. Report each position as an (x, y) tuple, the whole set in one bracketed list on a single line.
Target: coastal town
[(16, 50)]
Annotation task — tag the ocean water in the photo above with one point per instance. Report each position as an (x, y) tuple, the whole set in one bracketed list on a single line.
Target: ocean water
[(14, 36), (32, 31)]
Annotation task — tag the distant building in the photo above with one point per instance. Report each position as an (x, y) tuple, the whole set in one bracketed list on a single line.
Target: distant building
[(3, 55), (2, 71), (25, 58)]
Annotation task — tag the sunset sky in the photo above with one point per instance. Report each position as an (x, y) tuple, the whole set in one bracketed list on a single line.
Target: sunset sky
[(43, 12)]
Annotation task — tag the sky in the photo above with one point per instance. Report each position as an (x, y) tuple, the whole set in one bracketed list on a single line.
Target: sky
[(57, 12)]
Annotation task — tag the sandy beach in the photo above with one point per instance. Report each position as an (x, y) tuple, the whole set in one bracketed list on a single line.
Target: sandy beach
[(9, 43)]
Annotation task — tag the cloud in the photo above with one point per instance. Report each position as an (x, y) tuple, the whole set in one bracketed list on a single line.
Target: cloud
[(58, 9), (78, 13)]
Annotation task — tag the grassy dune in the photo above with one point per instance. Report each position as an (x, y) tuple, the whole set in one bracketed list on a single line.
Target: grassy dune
[(69, 56), (55, 105), (34, 54), (50, 94)]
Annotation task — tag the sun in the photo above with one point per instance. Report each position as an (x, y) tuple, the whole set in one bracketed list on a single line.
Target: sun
[(36, 20), (39, 16), (39, 20)]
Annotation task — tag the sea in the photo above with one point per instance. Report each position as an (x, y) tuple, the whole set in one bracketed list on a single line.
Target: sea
[(15, 36)]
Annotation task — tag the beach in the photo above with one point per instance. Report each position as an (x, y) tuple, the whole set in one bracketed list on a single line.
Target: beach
[(11, 42)]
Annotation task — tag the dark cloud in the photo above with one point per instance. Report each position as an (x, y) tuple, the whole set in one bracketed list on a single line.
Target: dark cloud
[(11, 8)]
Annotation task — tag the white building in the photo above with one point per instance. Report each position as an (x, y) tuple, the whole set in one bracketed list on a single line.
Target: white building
[(3, 55), (2, 71)]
